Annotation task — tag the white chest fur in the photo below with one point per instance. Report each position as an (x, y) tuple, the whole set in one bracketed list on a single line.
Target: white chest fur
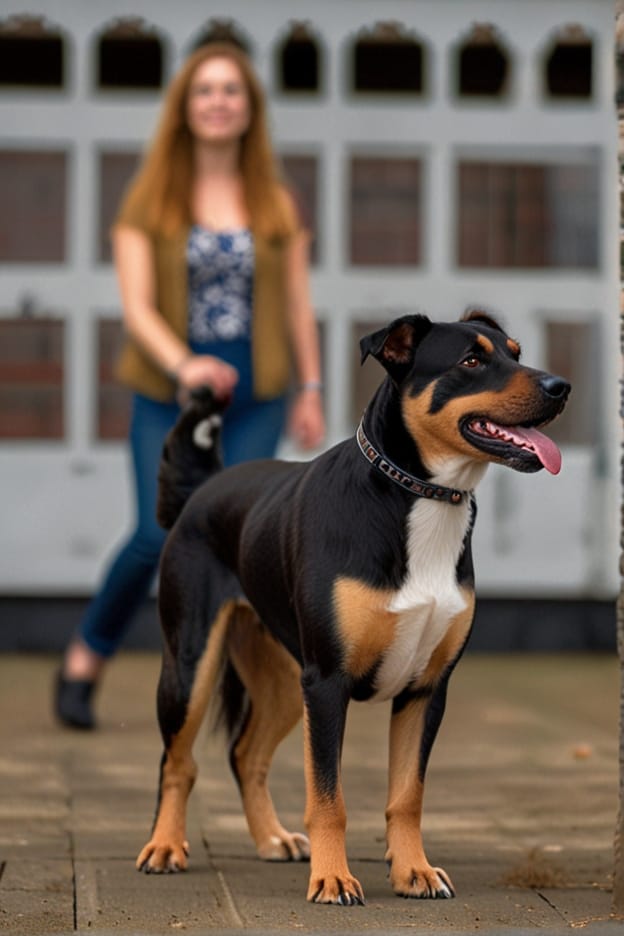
[(429, 598)]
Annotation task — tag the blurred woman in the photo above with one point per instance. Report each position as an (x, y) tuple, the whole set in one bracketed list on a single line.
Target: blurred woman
[(212, 263)]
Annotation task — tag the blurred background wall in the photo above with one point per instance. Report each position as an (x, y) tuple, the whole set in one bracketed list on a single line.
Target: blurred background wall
[(446, 153)]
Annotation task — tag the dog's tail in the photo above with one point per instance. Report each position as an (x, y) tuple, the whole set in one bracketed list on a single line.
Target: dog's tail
[(191, 453)]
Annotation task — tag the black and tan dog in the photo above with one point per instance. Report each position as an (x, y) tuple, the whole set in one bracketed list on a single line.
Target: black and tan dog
[(346, 577)]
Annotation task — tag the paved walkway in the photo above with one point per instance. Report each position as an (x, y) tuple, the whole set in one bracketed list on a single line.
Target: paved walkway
[(520, 810)]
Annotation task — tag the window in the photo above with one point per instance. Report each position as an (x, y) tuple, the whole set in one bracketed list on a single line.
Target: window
[(302, 174), (569, 64), (221, 30), (115, 170), (33, 198), (129, 56), (31, 378), (385, 216), (573, 352), (298, 61), (387, 59), (483, 67), (528, 215), (32, 54), (113, 400)]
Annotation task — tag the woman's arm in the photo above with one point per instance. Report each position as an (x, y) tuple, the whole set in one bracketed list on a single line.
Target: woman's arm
[(134, 263), (307, 423)]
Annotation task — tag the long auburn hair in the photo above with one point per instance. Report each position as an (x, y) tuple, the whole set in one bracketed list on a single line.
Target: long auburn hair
[(161, 189)]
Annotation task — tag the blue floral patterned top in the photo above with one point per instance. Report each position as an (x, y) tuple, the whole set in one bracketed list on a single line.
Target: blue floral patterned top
[(220, 278)]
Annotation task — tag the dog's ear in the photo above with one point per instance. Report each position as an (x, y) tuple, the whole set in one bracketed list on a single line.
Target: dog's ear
[(478, 315), (394, 345)]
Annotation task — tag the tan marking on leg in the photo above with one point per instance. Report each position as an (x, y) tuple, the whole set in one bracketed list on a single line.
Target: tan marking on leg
[(167, 849), (272, 679), (366, 626), (326, 820), (411, 875)]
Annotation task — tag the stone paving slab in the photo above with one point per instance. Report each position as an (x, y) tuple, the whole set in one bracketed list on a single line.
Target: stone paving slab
[(520, 809)]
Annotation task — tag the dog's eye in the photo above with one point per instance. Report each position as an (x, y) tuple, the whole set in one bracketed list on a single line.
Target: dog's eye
[(470, 361)]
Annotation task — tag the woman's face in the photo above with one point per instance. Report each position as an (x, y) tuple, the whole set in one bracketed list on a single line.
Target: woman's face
[(218, 108)]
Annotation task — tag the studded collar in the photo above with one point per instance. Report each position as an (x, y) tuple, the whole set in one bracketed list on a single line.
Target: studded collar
[(414, 485)]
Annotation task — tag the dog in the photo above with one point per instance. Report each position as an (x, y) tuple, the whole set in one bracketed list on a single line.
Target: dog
[(298, 587)]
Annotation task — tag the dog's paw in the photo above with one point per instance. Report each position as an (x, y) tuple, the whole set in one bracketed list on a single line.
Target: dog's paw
[(287, 846), (163, 857), (345, 891), (422, 883)]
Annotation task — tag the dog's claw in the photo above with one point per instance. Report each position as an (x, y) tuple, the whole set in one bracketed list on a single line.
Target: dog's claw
[(445, 892), (286, 846), (342, 893), (162, 858), (426, 884), (446, 889), (352, 900)]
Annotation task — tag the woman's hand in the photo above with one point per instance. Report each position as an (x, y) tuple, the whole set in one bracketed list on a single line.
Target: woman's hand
[(204, 370), (307, 421)]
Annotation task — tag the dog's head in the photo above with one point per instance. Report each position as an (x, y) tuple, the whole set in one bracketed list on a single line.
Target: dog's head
[(464, 392)]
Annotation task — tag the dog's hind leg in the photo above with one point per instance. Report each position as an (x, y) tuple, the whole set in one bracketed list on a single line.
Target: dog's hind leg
[(271, 678), (184, 690)]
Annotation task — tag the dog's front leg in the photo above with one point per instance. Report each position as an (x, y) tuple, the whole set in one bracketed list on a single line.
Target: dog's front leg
[(325, 710), (414, 725)]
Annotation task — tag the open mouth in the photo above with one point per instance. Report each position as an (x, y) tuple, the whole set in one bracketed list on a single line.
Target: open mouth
[(524, 448)]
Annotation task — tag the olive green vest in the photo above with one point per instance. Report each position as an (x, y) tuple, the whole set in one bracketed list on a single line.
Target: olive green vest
[(270, 344)]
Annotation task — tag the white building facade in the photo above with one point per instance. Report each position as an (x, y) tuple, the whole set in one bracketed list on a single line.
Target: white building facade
[(448, 153)]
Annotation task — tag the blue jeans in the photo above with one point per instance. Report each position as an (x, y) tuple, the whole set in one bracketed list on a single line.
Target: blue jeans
[(251, 429)]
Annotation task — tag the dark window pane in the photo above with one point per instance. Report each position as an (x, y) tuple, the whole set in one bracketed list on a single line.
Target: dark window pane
[(302, 174), (31, 55), (129, 56), (221, 30), (31, 379), (573, 352), (483, 65), (569, 70), (33, 197), (113, 400), (385, 211), (524, 215), (116, 170), (299, 63), (387, 60)]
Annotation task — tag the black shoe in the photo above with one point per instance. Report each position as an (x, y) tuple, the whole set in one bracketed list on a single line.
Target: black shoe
[(72, 702)]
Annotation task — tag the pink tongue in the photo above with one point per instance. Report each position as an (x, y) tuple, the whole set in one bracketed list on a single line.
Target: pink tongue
[(544, 448)]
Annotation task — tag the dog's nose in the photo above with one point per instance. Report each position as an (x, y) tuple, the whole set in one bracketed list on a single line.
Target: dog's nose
[(555, 387)]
